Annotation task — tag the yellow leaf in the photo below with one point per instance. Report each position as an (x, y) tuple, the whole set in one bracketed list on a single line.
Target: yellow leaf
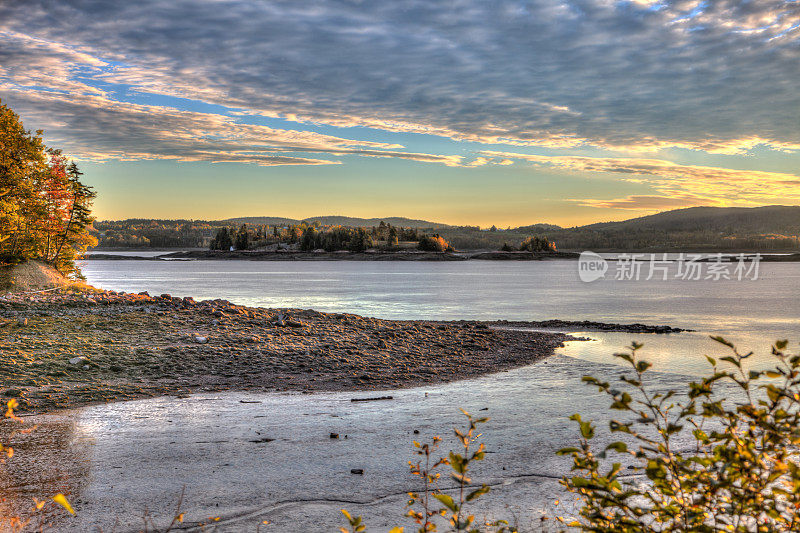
[(179, 518), (39, 504), (61, 500)]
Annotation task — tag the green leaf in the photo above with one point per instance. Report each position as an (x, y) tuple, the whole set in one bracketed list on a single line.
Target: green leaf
[(722, 340), (477, 493), (447, 501), (567, 451), (620, 447)]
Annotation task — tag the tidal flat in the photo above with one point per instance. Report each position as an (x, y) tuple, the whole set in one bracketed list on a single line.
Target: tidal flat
[(63, 349)]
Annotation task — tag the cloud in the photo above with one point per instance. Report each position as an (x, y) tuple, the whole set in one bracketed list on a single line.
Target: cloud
[(644, 203), (678, 185), (718, 76), (88, 124)]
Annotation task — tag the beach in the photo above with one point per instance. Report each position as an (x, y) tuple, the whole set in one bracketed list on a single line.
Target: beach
[(62, 349)]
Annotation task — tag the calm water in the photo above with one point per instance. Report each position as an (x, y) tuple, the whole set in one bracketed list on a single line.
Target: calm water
[(752, 313)]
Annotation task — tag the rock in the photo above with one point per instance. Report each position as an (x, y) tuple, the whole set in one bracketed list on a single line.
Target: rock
[(144, 293), (77, 360), (22, 321), (357, 471), (294, 324), (200, 340), (334, 435), (215, 322), (13, 393), (166, 296)]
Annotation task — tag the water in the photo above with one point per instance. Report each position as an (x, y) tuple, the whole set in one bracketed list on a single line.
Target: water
[(752, 313), (115, 460), (133, 253)]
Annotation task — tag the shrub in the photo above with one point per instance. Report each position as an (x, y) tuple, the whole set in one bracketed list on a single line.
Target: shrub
[(453, 514), (740, 472), (537, 244), (434, 243)]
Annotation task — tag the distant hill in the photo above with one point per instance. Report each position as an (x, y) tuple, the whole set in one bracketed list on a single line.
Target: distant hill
[(272, 221), (538, 228), (335, 220), (781, 219), (774, 227)]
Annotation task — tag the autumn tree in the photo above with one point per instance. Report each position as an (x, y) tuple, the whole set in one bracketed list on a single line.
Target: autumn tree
[(434, 243), (45, 210)]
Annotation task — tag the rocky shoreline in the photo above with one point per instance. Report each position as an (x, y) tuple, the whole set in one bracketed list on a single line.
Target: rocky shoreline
[(64, 348), (293, 255), (376, 255), (586, 325), (60, 349)]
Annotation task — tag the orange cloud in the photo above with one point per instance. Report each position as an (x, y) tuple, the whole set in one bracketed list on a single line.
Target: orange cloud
[(677, 183)]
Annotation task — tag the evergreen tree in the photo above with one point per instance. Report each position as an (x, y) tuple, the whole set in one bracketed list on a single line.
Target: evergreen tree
[(392, 239), (242, 239), (309, 240)]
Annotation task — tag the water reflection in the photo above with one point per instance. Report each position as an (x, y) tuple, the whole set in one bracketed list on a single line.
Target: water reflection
[(677, 353)]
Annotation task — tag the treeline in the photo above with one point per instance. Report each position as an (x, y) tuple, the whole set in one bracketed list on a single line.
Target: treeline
[(640, 234), (314, 236), (145, 233), (311, 237), (531, 244), (586, 239), (45, 210), (629, 236), (475, 238)]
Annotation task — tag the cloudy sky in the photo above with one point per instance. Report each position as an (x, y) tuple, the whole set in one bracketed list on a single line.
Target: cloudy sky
[(461, 111)]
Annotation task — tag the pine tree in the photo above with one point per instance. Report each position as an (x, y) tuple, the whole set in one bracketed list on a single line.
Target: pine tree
[(242, 239)]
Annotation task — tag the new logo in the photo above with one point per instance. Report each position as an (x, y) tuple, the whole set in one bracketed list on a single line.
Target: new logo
[(591, 267)]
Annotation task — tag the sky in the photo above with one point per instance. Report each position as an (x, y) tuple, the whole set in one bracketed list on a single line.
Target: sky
[(464, 111)]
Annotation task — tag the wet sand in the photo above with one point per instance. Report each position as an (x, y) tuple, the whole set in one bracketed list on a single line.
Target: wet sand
[(253, 457)]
